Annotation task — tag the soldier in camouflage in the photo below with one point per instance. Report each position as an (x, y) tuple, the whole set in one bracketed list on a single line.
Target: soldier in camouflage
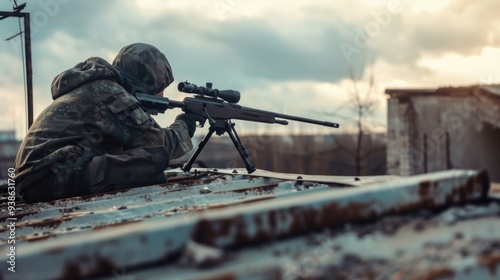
[(95, 137)]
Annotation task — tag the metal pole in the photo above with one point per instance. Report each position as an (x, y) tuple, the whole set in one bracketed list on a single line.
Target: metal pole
[(425, 153), (448, 156), (29, 69)]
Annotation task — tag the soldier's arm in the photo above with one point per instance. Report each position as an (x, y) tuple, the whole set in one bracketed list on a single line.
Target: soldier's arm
[(136, 128), (175, 138)]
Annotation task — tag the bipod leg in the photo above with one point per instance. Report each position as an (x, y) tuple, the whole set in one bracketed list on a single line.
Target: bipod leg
[(239, 146), (187, 166)]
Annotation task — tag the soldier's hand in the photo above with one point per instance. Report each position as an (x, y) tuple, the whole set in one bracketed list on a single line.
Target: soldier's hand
[(190, 120)]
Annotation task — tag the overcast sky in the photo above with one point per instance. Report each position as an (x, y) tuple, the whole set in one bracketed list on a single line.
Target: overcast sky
[(287, 56)]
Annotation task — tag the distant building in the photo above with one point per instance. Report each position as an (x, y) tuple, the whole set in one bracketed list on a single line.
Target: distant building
[(8, 150), (7, 135), (444, 128)]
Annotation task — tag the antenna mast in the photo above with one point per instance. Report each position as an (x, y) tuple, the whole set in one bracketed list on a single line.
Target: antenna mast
[(27, 50)]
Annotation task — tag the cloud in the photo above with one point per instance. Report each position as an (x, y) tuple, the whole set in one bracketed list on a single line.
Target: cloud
[(460, 27), (278, 51)]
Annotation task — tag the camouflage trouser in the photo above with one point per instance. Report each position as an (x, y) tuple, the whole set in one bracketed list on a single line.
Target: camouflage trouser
[(101, 173)]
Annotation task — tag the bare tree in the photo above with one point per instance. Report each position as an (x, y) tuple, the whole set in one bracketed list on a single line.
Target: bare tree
[(349, 154), (363, 106)]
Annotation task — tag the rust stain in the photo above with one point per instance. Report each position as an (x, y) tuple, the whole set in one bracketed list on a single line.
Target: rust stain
[(216, 206), (224, 276), (484, 180), (53, 222), (50, 222), (256, 199), (212, 179), (302, 220), (189, 181), (273, 219), (423, 189), (84, 198), (39, 237), (121, 223), (183, 180), (478, 184), (258, 189), (208, 232), (99, 266), (71, 271), (258, 222), (491, 262), (103, 266), (261, 234), (18, 215), (495, 188), (426, 191), (429, 195), (434, 274)]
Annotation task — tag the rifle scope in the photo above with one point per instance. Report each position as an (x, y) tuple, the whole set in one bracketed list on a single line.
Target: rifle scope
[(229, 95)]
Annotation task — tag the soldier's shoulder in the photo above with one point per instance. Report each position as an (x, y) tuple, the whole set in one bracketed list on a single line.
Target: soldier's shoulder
[(121, 101), (106, 87)]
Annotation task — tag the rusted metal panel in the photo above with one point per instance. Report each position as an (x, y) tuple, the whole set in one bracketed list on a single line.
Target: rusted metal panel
[(459, 243), (138, 240), (319, 210)]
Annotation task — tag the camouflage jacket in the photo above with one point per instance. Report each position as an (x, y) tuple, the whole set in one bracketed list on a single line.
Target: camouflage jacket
[(92, 114)]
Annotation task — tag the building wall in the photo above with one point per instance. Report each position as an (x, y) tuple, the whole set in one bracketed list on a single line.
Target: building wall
[(432, 133), (401, 130)]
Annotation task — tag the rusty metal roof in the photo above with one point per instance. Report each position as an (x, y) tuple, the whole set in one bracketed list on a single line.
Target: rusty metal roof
[(226, 224)]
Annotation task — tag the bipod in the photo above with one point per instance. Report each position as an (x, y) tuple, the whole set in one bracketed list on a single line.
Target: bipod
[(220, 128)]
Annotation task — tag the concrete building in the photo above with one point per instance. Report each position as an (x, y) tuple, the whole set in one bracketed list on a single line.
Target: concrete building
[(444, 128)]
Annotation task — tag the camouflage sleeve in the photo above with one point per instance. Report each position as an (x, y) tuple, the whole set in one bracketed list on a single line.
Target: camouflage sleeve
[(175, 138), (139, 129)]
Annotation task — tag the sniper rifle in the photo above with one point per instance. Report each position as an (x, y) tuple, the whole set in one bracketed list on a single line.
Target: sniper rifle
[(219, 107)]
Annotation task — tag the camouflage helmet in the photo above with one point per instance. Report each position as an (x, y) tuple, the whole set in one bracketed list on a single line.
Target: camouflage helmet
[(147, 64)]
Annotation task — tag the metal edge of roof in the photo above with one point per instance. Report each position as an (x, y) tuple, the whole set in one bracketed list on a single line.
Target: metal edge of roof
[(340, 180)]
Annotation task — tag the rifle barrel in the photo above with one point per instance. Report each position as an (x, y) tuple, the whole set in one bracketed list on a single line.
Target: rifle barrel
[(175, 104), (293, 118), (306, 120)]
